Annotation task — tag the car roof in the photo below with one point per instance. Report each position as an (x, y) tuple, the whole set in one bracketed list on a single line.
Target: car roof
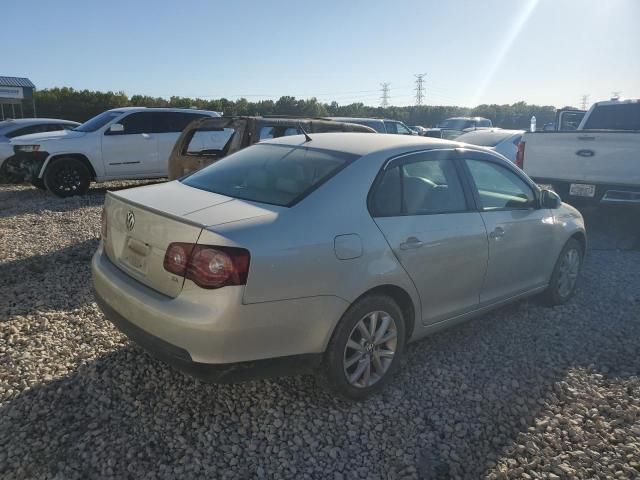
[(32, 121), (360, 119), (162, 109), (498, 132), (617, 101), (360, 143)]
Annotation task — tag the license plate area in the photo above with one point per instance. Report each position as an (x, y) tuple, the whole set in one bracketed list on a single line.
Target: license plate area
[(582, 190), (135, 254)]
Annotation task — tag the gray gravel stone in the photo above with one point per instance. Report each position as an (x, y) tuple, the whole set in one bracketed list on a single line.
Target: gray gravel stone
[(524, 392)]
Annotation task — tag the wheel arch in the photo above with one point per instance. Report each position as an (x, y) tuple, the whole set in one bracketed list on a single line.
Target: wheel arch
[(402, 298), (582, 240), (83, 158)]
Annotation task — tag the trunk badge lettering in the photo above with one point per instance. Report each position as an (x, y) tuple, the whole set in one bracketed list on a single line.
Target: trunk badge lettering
[(131, 220)]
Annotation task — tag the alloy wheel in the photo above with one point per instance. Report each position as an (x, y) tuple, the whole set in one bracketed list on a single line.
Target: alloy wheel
[(370, 349), (569, 269)]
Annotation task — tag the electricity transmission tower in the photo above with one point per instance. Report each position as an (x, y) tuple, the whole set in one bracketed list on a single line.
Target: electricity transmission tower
[(616, 94), (584, 101), (419, 87), (384, 99)]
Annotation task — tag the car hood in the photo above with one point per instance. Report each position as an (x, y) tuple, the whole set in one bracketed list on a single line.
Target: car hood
[(46, 137)]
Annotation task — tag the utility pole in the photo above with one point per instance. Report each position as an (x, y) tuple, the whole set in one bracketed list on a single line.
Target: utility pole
[(419, 87), (384, 99), (584, 101)]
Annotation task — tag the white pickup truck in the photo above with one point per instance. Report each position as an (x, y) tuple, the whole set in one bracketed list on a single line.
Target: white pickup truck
[(599, 163), (123, 143)]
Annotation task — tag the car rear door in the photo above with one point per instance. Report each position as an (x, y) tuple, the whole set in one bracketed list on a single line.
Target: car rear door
[(420, 205), (133, 151), (520, 233)]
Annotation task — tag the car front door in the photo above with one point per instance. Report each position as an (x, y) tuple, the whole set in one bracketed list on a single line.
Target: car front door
[(520, 233), (421, 207), (133, 151)]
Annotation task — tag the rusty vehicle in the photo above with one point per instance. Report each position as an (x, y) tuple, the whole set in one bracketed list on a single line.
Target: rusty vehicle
[(207, 140)]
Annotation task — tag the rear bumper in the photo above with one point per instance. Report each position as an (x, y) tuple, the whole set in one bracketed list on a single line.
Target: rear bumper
[(180, 359), (213, 327), (606, 194)]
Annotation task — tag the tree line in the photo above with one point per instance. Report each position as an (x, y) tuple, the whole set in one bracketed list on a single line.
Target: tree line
[(80, 105)]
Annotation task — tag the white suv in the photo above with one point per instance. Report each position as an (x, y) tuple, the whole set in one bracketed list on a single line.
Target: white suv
[(123, 143)]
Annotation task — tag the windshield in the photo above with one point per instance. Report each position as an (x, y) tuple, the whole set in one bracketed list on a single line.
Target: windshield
[(267, 173), (484, 138), (98, 121), (456, 124)]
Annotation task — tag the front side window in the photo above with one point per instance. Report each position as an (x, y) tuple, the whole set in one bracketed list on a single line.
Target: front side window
[(431, 186), (274, 174), (401, 129), (499, 188), (27, 131), (136, 123)]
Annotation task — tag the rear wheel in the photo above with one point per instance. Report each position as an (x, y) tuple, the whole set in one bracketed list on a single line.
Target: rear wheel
[(66, 177), (365, 349), (565, 274)]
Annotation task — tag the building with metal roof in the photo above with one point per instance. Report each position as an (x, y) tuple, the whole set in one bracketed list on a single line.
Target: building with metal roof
[(14, 92)]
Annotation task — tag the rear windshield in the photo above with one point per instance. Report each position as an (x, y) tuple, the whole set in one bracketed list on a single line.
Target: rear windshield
[(456, 124), (267, 173), (483, 138)]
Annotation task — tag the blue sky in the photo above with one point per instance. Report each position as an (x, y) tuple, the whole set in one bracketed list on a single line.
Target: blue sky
[(484, 51)]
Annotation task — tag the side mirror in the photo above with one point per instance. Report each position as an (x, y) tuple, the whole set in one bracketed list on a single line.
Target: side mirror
[(550, 199), (116, 128)]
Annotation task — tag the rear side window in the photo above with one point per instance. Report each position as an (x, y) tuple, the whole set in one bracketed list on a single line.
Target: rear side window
[(625, 116), (425, 187), (173, 122), (27, 131), (484, 123), (209, 142), (273, 174), (275, 131), (499, 188)]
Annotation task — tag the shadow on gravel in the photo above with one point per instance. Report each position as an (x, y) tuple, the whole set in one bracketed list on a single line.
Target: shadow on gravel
[(459, 403), (27, 200), (41, 282), (613, 227)]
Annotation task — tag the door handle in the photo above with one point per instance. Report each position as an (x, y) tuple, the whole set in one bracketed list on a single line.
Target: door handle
[(411, 243), (586, 137), (497, 233)]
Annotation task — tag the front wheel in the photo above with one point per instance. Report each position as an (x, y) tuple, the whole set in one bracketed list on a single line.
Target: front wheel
[(365, 350), (565, 274), (66, 177)]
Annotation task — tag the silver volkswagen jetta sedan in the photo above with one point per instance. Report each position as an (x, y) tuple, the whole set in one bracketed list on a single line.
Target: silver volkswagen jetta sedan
[(330, 253)]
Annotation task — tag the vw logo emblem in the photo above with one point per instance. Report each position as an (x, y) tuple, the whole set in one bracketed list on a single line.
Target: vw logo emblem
[(131, 220)]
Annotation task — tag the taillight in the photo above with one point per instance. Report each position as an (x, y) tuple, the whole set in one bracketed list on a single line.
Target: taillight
[(208, 266), (103, 224), (520, 155)]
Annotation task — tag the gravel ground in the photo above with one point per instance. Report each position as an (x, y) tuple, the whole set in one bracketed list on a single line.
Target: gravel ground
[(523, 392)]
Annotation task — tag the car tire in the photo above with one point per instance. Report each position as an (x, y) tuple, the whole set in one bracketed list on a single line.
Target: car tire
[(38, 183), (356, 373), (66, 177), (565, 274)]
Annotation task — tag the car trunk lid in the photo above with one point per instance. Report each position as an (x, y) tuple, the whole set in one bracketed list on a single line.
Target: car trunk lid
[(142, 222)]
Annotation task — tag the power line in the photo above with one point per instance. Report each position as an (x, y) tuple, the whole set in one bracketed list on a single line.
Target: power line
[(584, 101), (419, 87), (384, 103)]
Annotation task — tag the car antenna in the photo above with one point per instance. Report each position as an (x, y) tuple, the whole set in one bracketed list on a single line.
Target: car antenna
[(306, 135)]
